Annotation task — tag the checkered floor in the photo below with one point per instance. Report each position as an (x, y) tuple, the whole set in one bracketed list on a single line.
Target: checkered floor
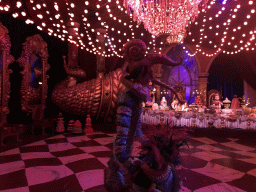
[(72, 163)]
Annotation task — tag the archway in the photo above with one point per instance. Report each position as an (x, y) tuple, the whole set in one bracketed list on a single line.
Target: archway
[(225, 77), (184, 75)]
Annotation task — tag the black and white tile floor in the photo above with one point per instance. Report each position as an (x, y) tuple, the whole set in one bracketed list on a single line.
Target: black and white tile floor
[(66, 162)]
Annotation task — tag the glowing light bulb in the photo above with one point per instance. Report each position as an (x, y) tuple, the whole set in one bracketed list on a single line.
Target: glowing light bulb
[(40, 16), (15, 15), (56, 7), (18, 4), (38, 6)]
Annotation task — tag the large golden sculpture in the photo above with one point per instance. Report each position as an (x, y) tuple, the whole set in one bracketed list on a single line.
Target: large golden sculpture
[(98, 97)]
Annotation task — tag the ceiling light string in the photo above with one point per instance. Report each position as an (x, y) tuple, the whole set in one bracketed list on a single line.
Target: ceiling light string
[(203, 36), (71, 38), (108, 43), (249, 42), (87, 26), (130, 26), (89, 38), (113, 17), (118, 31), (4, 7), (21, 12), (226, 23), (38, 11), (225, 32), (79, 35), (204, 11), (59, 25), (107, 34), (225, 35), (94, 49), (246, 45)]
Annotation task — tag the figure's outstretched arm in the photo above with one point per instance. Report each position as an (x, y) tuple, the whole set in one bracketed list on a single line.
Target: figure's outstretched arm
[(135, 88)]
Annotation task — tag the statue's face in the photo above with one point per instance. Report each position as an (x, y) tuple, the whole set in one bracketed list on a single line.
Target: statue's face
[(217, 97)]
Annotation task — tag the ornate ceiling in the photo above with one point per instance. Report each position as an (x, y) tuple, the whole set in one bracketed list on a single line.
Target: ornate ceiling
[(224, 26)]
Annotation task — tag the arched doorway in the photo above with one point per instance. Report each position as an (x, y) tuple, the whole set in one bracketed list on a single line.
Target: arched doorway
[(225, 76), (184, 75)]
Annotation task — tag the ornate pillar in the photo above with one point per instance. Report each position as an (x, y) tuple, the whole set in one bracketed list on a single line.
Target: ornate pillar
[(202, 86), (101, 45), (73, 28), (157, 73)]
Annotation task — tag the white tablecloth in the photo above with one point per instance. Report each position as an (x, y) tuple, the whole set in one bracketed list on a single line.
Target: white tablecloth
[(202, 120)]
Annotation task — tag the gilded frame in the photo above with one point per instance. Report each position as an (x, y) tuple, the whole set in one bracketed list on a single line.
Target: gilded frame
[(32, 98), (6, 60)]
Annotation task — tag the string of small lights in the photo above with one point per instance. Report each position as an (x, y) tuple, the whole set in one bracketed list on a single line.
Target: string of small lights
[(226, 37)]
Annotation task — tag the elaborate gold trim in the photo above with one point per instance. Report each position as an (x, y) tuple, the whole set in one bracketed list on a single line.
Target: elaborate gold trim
[(34, 46), (5, 46)]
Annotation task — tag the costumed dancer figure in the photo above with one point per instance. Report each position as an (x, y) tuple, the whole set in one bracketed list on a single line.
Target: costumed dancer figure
[(217, 104), (235, 104), (136, 78)]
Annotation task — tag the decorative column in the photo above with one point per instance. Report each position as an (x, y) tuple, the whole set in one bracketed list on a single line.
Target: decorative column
[(202, 86), (100, 38), (157, 73), (73, 28)]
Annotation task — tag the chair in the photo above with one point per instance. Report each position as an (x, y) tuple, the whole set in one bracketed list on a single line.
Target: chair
[(211, 96)]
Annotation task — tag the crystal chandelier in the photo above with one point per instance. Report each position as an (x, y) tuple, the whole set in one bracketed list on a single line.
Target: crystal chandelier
[(169, 17)]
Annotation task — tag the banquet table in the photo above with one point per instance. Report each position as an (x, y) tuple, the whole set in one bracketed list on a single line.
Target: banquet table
[(201, 120)]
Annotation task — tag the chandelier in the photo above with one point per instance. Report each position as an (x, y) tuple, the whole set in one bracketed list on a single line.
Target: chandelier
[(165, 17)]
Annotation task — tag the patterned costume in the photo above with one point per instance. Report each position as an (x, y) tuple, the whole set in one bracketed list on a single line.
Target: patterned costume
[(129, 128), (125, 172), (129, 109)]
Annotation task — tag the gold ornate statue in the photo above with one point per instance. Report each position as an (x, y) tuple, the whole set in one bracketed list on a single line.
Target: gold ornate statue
[(97, 97)]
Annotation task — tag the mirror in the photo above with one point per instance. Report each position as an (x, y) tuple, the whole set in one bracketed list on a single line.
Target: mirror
[(34, 87)]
